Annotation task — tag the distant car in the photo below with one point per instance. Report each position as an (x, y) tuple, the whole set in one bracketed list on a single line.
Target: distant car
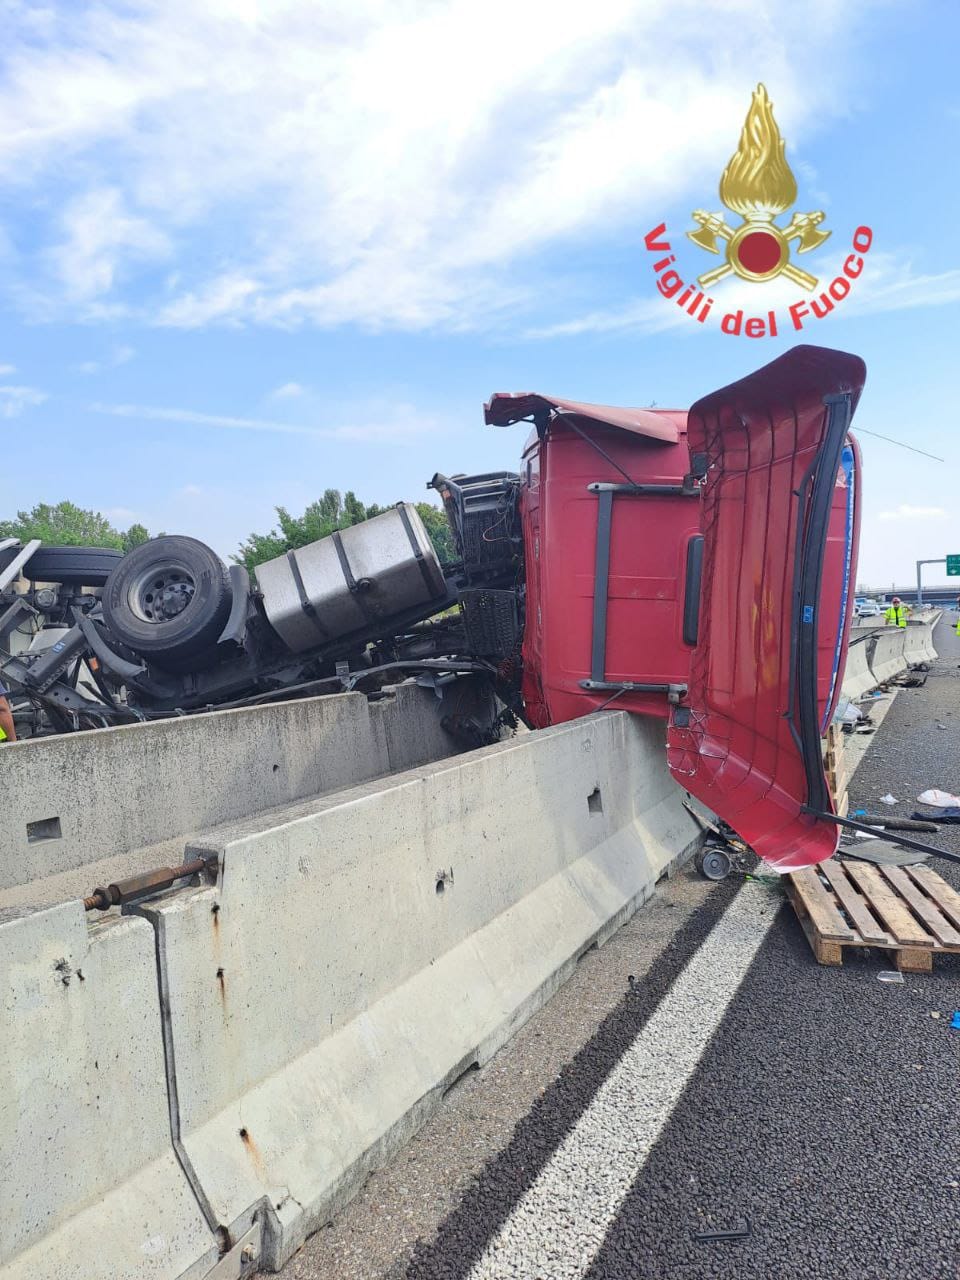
[(867, 609)]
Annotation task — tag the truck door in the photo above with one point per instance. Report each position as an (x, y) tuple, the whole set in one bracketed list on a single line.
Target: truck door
[(780, 526)]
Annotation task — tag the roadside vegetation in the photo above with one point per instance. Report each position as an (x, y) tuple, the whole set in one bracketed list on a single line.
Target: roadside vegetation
[(66, 524)]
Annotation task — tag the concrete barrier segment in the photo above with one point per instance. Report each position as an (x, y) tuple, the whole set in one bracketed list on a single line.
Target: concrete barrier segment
[(931, 653), (857, 676), (81, 797), (886, 658), (351, 964), (89, 1183), (916, 642)]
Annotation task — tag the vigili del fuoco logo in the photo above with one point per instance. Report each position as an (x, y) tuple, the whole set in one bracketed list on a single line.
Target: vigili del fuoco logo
[(757, 186)]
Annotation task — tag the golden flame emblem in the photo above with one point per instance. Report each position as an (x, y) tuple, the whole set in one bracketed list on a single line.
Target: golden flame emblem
[(758, 184)]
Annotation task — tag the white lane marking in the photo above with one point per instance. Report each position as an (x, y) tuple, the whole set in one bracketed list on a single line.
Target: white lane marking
[(558, 1227)]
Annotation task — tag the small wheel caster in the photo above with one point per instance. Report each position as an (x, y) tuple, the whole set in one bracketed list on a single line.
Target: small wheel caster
[(714, 863)]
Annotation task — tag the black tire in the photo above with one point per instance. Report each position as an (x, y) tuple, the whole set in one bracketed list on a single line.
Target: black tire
[(149, 585), (714, 863), (73, 566)]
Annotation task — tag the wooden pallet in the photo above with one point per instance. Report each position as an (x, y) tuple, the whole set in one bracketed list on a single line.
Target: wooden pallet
[(835, 768), (909, 911)]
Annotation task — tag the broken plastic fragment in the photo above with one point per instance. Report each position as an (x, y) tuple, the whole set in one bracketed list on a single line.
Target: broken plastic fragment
[(942, 799), (888, 799)]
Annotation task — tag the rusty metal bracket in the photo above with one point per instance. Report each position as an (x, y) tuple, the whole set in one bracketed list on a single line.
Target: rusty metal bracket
[(242, 1259), (114, 895)]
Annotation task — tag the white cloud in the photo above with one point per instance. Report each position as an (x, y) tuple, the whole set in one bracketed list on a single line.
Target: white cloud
[(907, 512), (887, 283), (7, 369), (378, 163), (100, 236), (403, 422), (225, 299), (118, 355), (289, 391), (13, 400)]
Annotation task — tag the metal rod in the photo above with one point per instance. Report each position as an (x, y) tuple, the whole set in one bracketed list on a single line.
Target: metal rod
[(568, 418), (646, 490), (920, 564), (894, 839), (674, 692), (114, 895)]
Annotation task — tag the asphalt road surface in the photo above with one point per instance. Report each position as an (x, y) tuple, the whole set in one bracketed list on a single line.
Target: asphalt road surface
[(701, 1072)]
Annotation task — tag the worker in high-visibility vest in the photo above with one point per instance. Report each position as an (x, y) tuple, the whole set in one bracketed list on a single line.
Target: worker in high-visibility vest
[(896, 615), (7, 732)]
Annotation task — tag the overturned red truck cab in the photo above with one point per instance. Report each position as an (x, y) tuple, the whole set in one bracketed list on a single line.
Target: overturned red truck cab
[(691, 566), (697, 567)]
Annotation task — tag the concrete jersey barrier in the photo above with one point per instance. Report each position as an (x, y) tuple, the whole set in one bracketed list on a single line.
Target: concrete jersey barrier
[(89, 1183), (887, 659), (926, 646), (858, 679), (352, 964), (224, 1064), (917, 642), (81, 797)]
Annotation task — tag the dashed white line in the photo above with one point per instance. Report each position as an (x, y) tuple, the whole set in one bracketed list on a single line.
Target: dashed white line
[(557, 1229)]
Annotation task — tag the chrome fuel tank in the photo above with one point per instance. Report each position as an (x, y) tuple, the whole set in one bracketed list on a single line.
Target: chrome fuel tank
[(353, 580)]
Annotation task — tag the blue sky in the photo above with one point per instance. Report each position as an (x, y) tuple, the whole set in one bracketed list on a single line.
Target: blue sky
[(253, 250)]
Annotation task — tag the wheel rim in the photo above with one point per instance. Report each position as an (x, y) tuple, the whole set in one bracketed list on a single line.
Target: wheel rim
[(716, 864), (160, 593)]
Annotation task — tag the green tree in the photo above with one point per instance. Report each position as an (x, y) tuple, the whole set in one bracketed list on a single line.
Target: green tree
[(321, 518), (71, 526), (438, 527), (135, 536)]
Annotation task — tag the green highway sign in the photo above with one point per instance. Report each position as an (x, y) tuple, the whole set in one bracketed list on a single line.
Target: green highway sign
[(953, 566)]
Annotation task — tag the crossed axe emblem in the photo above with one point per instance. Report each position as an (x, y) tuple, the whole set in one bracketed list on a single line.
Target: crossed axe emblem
[(803, 227)]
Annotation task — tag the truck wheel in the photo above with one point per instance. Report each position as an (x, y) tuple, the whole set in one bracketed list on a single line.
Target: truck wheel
[(714, 863), (73, 566), (169, 600)]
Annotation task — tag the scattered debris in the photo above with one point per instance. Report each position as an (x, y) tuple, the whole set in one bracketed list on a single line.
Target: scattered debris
[(884, 854), (889, 975), (888, 799), (942, 799), (955, 1021), (728, 1233), (948, 816), (846, 712), (919, 822), (934, 1013)]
